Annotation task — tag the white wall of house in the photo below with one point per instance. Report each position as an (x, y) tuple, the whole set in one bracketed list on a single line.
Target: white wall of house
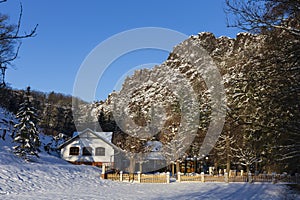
[(88, 139)]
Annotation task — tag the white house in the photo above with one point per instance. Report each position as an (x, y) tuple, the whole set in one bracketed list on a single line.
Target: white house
[(89, 147)]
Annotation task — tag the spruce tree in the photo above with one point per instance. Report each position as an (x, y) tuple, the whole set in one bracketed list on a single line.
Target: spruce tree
[(27, 136)]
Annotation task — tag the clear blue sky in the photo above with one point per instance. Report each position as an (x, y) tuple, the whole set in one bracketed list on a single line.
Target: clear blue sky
[(68, 30)]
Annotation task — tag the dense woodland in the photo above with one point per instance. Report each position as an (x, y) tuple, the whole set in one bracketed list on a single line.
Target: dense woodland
[(261, 74), (54, 110)]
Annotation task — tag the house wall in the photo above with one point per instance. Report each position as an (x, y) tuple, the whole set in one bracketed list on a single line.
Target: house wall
[(88, 140)]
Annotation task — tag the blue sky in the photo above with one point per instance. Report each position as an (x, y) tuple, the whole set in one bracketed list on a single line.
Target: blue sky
[(69, 30)]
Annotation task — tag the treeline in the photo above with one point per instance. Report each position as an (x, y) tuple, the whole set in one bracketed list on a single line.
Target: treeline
[(54, 110)]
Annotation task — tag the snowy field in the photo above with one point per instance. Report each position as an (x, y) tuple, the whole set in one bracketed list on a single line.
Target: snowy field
[(52, 178), (64, 181)]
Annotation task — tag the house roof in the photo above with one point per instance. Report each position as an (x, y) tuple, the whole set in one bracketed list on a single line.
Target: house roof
[(104, 136)]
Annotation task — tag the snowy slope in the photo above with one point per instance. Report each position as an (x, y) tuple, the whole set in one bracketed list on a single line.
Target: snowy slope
[(53, 178)]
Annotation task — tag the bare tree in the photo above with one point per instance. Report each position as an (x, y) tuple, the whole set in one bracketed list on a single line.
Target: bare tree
[(10, 41), (259, 15)]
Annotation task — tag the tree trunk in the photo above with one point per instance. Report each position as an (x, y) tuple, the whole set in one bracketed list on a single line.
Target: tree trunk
[(228, 164), (173, 169), (177, 167), (141, 167), (216, 165), (227, 154), (247, 168), (131, 168)]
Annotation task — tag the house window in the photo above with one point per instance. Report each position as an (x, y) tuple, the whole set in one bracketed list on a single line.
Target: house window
[(74, 151), (100, 151), (87, 151)]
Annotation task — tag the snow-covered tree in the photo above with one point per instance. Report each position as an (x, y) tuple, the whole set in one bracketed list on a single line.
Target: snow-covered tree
[(263, 98), (225, 149), (27, 135)]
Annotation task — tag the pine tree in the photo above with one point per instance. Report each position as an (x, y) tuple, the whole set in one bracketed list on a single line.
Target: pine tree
[(27, 136)]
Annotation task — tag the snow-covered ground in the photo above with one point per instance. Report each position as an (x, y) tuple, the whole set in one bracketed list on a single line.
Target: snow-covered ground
[(55, 179), (63, 181), (52, 178)]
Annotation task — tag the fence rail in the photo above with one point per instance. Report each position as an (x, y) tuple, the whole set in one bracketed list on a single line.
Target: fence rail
[(152, 178), (128, 177), (263, 178), (208, 178), (238, 179), (190, 178), (113, 177), (141, 178)]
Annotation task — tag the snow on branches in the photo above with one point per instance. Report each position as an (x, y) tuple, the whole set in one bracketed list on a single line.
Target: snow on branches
[(27, 135)]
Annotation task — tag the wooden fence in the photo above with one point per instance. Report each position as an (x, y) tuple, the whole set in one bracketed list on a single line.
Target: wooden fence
[(138, 177), (245, 178), (113, 177), (128, 177), (208, 178), (200, 178), (238, 179), (165, 178), (186, 178), (152, 178)]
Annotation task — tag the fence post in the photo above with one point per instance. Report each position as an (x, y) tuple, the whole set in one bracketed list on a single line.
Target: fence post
[(168, 177), (226, 177), (179, 176), (242, 172), (121, 176), (103, 172), (139, 177), (273, 178), (202, 177), (250, 177)]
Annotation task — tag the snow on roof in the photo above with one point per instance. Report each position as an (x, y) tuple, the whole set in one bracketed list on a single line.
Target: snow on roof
[(75, 134), (105, 135)]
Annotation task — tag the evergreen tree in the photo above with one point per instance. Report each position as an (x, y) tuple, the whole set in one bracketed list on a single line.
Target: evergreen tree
[(27, 136), (266, 89)]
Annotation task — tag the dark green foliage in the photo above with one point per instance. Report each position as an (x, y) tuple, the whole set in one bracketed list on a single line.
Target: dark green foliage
[(263, 91), (27, 134), (54, 110)]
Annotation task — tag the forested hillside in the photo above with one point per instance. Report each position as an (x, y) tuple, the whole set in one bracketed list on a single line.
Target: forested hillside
[(54, 110), (261, 79)]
